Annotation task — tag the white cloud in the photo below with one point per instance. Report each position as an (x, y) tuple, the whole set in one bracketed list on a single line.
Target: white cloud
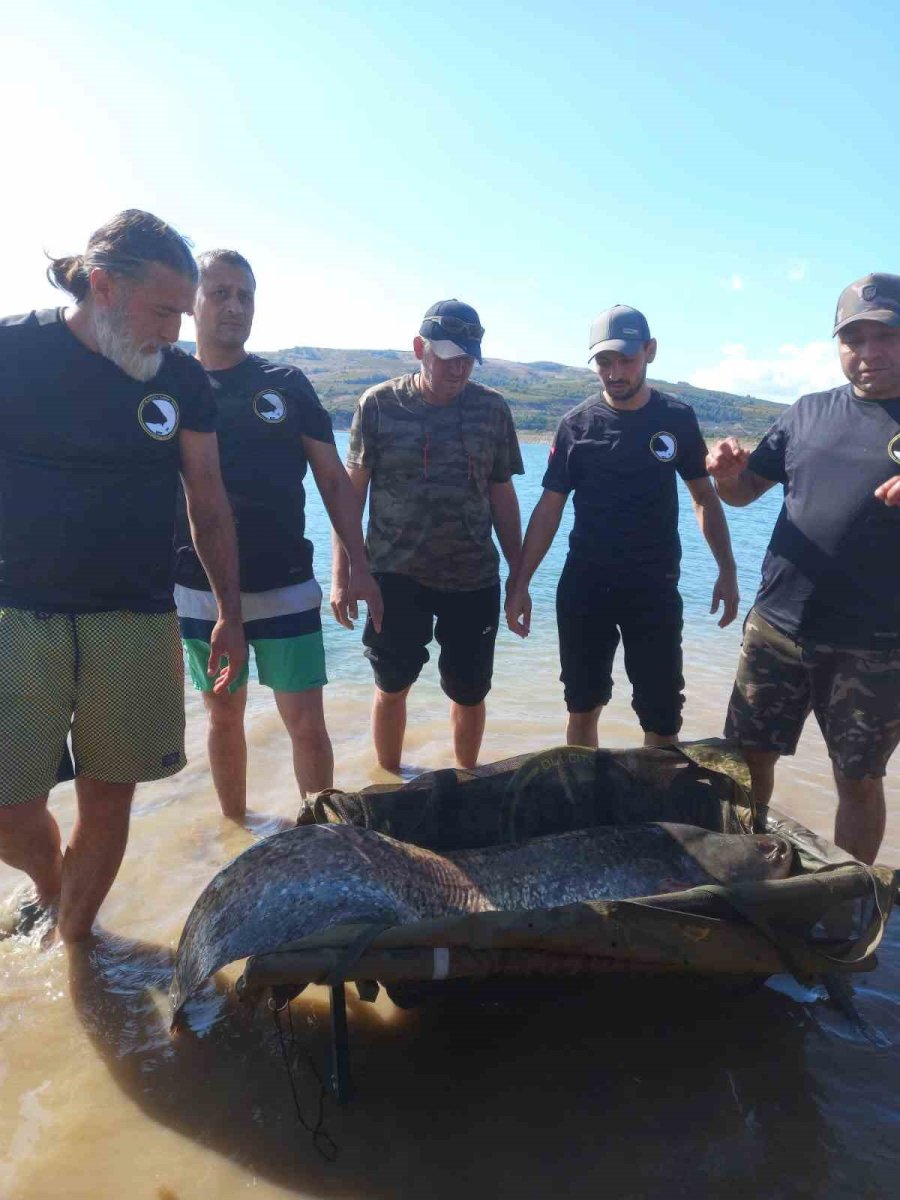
[(793, 371), (796, 272), (736, 283)]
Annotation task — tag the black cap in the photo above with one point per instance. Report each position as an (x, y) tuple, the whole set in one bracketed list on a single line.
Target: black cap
[(872, 298)]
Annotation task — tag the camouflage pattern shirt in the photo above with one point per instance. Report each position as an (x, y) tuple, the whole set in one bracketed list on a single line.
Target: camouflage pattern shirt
[(432, 467)]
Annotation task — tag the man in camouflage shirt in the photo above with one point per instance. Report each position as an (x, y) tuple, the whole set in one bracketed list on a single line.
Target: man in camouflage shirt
[(440, 453), (824, 633)]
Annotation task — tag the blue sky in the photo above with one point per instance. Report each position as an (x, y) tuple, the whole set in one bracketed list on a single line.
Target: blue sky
[(727, 169)]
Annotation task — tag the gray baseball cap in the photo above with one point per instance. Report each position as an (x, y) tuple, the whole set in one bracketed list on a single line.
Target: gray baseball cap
[(620, 329), (872, 298)]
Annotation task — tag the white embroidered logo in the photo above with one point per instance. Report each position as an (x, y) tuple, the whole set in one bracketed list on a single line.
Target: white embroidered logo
[(664, 446), (158, 416)]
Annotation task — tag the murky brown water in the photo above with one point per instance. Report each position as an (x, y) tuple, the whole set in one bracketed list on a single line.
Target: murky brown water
[(605, 1093)]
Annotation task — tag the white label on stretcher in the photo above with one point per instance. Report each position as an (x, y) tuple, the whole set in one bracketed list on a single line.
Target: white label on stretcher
[(441, 962)]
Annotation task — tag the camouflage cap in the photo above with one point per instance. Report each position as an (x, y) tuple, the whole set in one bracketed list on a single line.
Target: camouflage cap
[(872, 298), (453, 329)]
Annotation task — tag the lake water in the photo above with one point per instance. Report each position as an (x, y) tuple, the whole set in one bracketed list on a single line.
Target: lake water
[(601, 1094)]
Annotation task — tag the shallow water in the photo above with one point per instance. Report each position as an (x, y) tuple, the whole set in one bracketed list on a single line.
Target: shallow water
[(606, 1092)]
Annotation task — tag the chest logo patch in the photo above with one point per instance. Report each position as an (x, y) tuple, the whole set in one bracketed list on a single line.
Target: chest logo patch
[(664, 446), (269, 407), (158, 416), (894, 449)]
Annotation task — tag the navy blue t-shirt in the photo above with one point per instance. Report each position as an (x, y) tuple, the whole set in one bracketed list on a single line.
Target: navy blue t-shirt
[(831, 574), (621, 466), (265, 411), (89, 462)]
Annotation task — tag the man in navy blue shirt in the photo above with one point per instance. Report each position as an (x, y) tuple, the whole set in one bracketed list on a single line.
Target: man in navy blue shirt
[(824, 633), (99, 415), (618, 454)]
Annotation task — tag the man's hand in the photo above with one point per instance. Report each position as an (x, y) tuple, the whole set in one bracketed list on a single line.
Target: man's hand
[(726, 460), (726, 593), (518, 610), (889, 492), (226, 641), (345, 597)]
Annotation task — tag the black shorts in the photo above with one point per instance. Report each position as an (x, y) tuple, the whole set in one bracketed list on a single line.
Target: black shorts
[(590, 614), (466, 630)]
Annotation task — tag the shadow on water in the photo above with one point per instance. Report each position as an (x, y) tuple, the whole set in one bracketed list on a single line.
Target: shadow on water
[(607, 1090)]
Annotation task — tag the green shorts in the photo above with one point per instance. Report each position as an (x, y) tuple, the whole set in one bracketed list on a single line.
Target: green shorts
[(114, 680), (288, 646)]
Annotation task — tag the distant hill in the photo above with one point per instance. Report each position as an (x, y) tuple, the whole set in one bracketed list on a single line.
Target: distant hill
[(538, 392)]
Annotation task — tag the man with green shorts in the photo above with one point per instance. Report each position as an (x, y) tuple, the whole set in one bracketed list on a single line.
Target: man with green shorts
[(824, 633), (270, 426), (99, 415)]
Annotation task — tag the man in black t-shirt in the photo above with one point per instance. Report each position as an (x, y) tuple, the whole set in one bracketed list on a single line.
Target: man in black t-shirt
[(98, 416), (618, 455), (270, 426), (824, 633)]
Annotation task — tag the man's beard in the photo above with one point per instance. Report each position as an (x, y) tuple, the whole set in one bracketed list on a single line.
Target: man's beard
[(115, 342), (629, 393)]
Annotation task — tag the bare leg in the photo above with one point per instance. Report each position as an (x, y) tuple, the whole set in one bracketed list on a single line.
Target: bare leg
[(660, 739), (581, 728), (29, 841), (94, 854), (859, 822), (227, 747), (762, 778), (389, 727), (467, 727), (304, 719)]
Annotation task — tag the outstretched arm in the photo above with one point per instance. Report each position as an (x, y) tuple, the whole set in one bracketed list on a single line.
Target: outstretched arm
[(212, 527), (539, 537), (735, 482), (714, 527)]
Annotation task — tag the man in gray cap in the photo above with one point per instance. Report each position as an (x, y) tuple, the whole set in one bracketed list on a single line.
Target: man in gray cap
[(618, 453), (439, 452), (824, 633)]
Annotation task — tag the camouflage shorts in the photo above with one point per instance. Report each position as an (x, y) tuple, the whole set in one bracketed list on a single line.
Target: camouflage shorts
[(855, 695)]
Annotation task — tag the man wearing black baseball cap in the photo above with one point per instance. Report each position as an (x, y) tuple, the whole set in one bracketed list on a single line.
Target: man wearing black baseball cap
[(824, 633), (618, 453), (439, 453)]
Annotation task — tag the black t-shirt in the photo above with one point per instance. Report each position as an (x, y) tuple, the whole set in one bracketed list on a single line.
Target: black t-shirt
[(621, 467), (265, 410), (831, 574), (89, 462)]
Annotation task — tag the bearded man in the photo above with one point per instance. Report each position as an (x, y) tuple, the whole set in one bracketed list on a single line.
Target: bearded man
[(98, 416)]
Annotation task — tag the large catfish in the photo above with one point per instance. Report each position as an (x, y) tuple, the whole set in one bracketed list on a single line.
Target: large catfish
[(307, 879)]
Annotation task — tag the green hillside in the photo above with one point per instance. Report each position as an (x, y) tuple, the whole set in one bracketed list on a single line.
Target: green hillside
[(538, 393)]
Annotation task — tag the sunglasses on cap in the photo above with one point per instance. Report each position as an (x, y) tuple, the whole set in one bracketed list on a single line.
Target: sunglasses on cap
[(456, 327)]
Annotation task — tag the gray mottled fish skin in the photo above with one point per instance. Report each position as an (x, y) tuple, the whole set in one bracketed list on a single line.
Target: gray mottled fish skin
[(312, 877)]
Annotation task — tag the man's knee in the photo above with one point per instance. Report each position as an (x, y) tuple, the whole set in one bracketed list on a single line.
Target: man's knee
[(760, 758), (857, 787), (29, 812), (226, 709), (303, 716), (96, 796), (392, 699)]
